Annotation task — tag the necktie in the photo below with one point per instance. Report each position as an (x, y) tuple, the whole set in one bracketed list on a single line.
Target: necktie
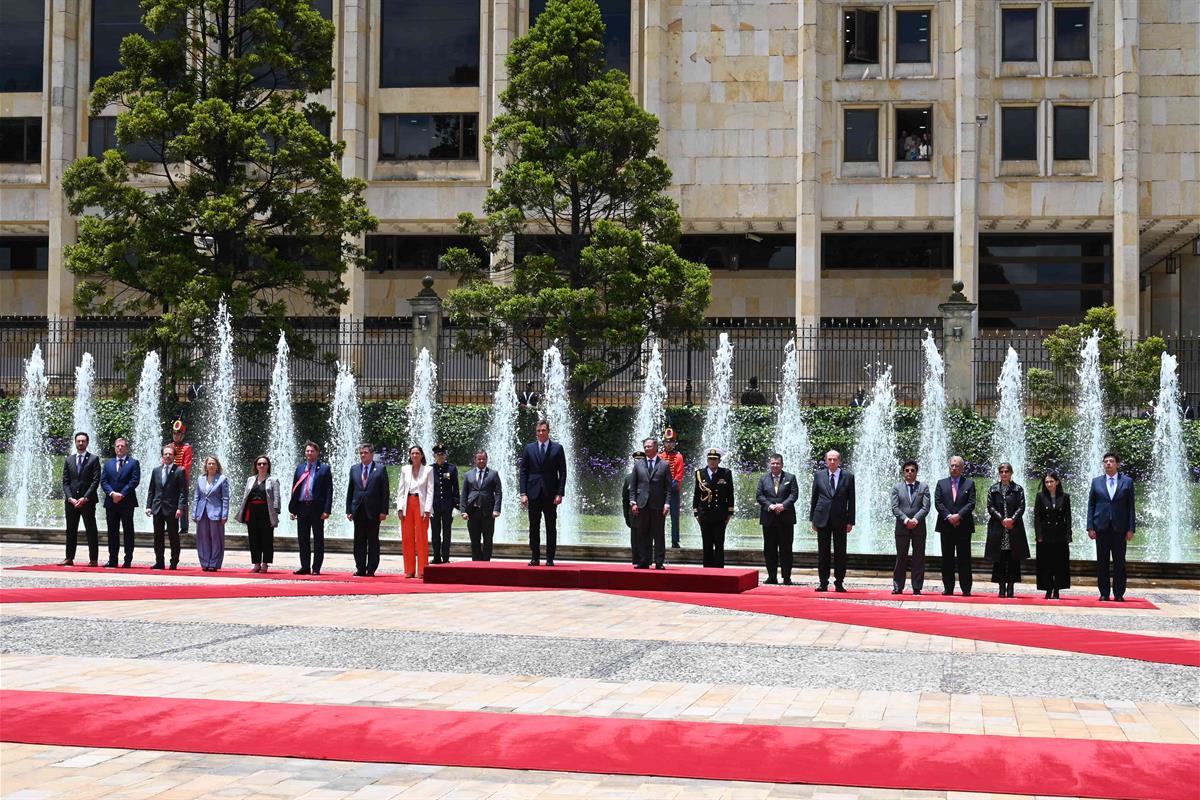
[(120, 465), (776, 484), (833, 480), (954, 488), (543, 448), (1112, 487), (79, 463), (365, 474), (479, 479), (306, 493), (911, 488), (164, 477)]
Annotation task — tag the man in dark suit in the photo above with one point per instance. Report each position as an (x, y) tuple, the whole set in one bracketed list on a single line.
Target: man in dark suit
[(831, 517), (543, 475), (954, 502), (627, 511), (910, 507), (80, 480), (1111, 524), (777, 495), (118, 480), (310, 506), (712, 503), (482, 495), (165, 501), (445, 501), (649, 484), (367, 498)]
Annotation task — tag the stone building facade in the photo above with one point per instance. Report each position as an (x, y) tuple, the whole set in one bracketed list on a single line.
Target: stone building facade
[(831, 158)]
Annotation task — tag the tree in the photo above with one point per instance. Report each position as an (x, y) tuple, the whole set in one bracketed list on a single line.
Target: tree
[(234, 192), (577, 165)]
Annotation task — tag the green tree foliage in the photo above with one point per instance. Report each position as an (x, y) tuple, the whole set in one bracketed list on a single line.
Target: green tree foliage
[(241, 195), (1129, 371), (576, 163)]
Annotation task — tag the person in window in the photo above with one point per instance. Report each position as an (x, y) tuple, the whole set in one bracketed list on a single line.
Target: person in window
[(924, 150), (1052, 529), (753, 396), (1007, 545)]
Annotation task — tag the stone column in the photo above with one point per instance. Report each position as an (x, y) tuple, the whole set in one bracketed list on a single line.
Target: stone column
[(808, 169), (1126, 261), (966, 147), (351, 94), (427, 320), (64, 90), (958, 347)]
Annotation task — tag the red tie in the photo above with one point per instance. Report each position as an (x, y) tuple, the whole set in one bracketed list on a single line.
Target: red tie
[(364, 477)]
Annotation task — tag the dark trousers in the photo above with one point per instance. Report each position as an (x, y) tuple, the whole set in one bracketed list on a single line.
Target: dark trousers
[(539, 507), (1053, 566), (903, 541), (712, 538), (310, 531), (88, 515), (650, 542), (956, 555), (120, 520), (673, 502), (261, 535), (633, 547), (1006, 569), (777, 549), (828, 538), (166, 524), (366, 541), (439, 533), (481, 526), (1110, 545), (183, 520)]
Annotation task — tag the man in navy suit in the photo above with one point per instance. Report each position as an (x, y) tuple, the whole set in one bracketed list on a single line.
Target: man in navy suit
[(367, 499), (954, 502), (80, 480), (831, 517), (118, 480), (543, 468), (1110, 522), (310, 506)]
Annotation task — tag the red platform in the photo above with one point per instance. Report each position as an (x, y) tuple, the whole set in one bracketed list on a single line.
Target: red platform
[(594, 576)]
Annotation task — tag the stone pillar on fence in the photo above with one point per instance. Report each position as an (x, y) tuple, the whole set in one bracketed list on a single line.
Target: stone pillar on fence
[(958, 347), (427, 320)]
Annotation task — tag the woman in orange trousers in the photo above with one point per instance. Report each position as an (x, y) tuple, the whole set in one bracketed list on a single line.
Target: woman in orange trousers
[(414, 502)]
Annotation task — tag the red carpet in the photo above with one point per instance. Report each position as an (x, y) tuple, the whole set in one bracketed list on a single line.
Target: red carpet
[(937, 597), (593, 576), (1158, 649), (881, 759), (281, 573), (193, 591)]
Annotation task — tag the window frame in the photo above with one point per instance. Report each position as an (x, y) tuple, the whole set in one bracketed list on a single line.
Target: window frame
[(855, 109), (38, 85), (929, 41), (25, 142), (390, 83), (1090, 26), (41, 245), (1003, 126), (1063, 165), (1003, 35), (382, 158)]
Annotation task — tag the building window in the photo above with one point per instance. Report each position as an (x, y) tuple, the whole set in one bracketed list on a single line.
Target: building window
[(102, 136), (912, 37), (21, 32), (861, 135), (887, 251), (417, 253), (741, 251), (1071, 40), (24, 252), (616, 16), (20, 140), (428, 137), (1018, 133), (1042, 280), (112, 21), (1072, 133), (860, 36), (1018, 28), (914, 134), (429, 43)]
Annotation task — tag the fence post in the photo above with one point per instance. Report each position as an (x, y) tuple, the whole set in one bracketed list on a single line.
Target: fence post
[(427, 320), (958, 345), (60, 339)]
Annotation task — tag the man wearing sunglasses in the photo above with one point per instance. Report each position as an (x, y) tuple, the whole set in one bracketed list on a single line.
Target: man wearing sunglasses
[(910, 507)]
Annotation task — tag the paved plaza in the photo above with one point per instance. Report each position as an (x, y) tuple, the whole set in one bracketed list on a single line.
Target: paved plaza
[(564, 654)]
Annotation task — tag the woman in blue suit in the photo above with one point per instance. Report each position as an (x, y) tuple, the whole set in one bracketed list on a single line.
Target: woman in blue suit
[(209, 511)]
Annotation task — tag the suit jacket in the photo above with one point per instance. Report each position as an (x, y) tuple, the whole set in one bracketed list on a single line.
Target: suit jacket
[(713, 495), (482, 496), (124, 484), (915, 507), (788, 494), (211, 500), (273, 499), (1115, 515), (421, 483), (1052, 517), (322, 488), (77, 483), (164, 499), (626, 511), (828, 508), (374, 498), (964, 505), (543, 476), (648, 487), (445, 488)]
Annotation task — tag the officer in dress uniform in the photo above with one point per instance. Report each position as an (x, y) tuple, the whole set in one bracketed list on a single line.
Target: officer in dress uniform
[(712, 503), (183, 461), (445, 501), (674, 459)]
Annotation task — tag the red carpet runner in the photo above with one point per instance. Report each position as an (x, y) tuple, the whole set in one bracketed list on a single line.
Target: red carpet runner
[(779, 754), (989, 598), (215, 592), (281, 574)]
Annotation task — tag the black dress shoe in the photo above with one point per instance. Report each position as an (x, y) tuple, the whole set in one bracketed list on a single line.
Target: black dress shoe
[(93, 563), (965, 594), (533, 562), (837, 587), (948, 592), (787, 581), (641, 566), (159, 565), (66, 562), (549, 562), (371, 574), (659, 566), (897, 591), (917, 592), (316, 572), (174, 564), (1119, 599), (126, 564), (822, 588), (770, 582), (674, 545), (113, 565), (303, 571), (358, 573)]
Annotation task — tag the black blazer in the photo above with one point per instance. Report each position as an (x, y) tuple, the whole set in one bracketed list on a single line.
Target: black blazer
[(482, 496), (789, 493), (165, 499), (713, 495), (78, 483), (543, 477), (376, 498), (828, 508), (964, 505), (1052, 517)]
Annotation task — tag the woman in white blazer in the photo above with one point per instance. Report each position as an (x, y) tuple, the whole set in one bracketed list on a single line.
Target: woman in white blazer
[(414, 503)]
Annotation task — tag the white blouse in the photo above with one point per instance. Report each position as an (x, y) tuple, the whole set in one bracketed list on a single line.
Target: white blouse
[(421, 485)]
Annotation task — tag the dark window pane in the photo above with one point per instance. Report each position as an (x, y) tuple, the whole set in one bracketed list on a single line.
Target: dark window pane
[(422, 137), (616, 18), (417, 252), (429, 43), (22, 24), (887, 251), (112, 21), (860, 36), (1071, 133), (912, 36), (1071, 34), (862, 132), (1018, 134), (1019, 34), (1042, 280), (24, 252), (102, 135), (20, 140), (738, 251), (914, 134)]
